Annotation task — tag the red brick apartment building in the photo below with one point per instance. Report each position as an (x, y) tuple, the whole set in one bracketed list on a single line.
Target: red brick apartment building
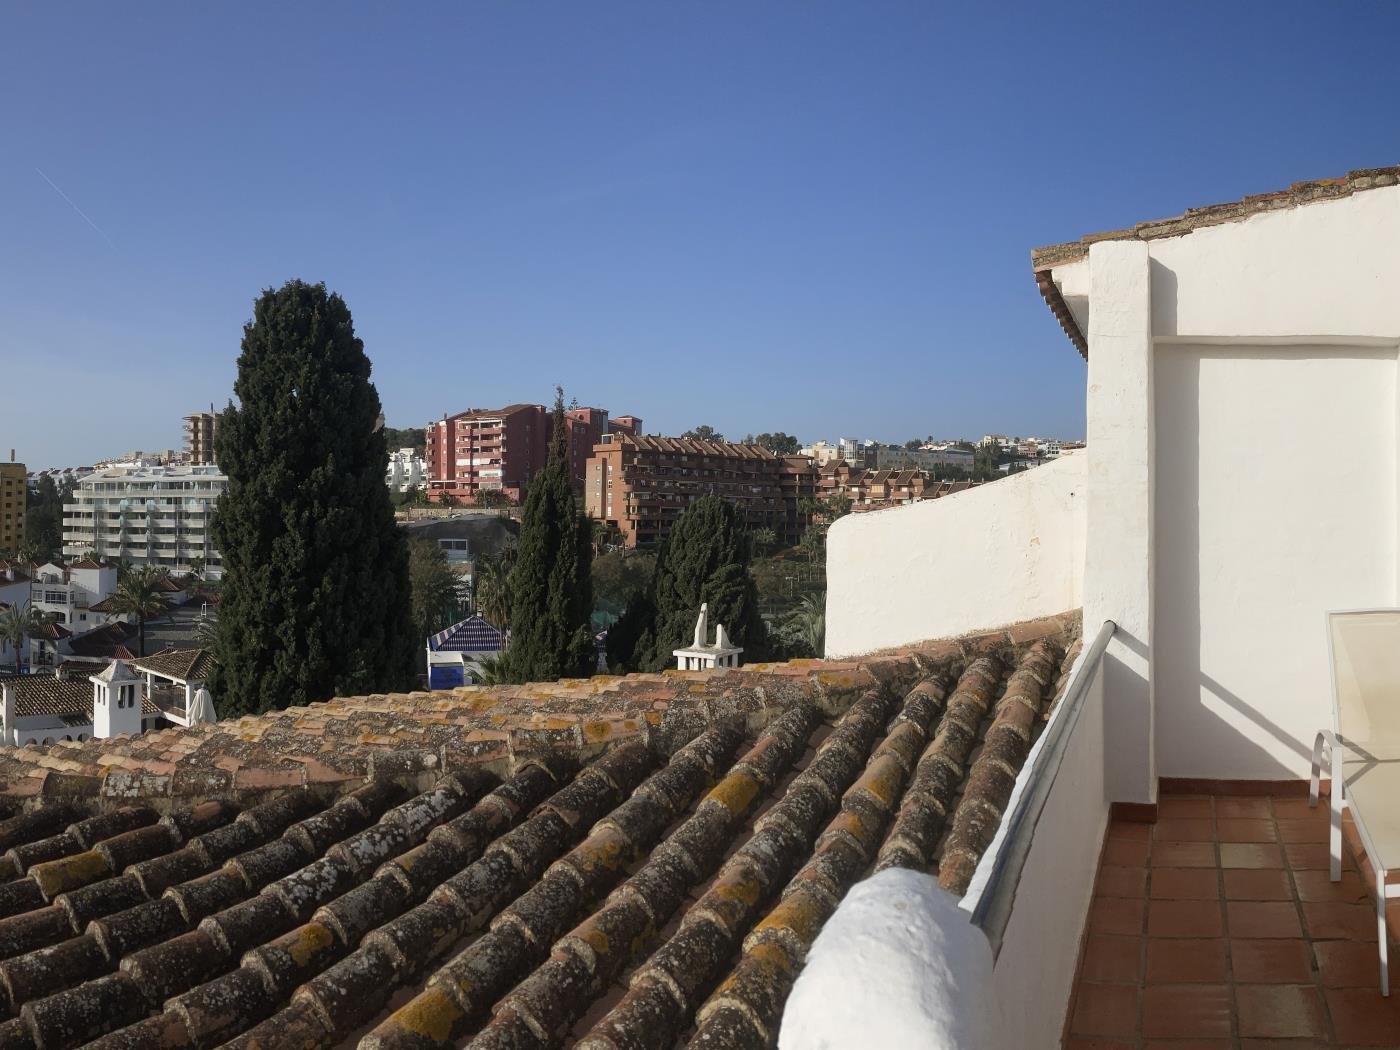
[(486, 449), (641, 484), (483, 449)]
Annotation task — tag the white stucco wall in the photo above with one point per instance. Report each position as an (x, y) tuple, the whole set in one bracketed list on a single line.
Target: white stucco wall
[(1242, 405), (1262, 525), (1034, 972), (1006, 551)]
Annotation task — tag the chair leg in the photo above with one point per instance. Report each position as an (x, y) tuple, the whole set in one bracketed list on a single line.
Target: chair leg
[(1335, 805), (1316, 777), (1381, 936)]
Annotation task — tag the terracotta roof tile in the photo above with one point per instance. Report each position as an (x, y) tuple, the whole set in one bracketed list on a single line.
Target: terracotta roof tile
[(182, 664), (493, 865)]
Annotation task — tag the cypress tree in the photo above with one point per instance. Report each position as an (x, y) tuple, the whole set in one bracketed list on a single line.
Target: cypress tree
[(550, 586), (315, 598), (704, 558)]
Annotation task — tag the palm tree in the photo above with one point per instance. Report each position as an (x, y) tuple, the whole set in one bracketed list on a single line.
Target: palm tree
[(18, 622), (493, 591), (806, 624), (136, 595), (491, 670)]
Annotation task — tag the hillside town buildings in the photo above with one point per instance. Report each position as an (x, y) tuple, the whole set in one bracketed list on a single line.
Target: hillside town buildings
[(500, 450), (147, 515)]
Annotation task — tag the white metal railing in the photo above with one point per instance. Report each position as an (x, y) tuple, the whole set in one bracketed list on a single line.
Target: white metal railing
[(992, 910)]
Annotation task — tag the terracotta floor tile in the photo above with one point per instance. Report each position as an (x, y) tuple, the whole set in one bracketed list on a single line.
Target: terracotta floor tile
[(1096, 1044), (1186, 1011), (1184, 831), (1183, 854), (1348, 964), (1363, 1017), (1303, 830), (1183, 919), (1280, 1011), (1178, 808), (1114, 881), (1298, 809), (1257, 884), (1283, 1044), (1318, 886), (1350, 922), (1129, 829), (1243, 808), (1112, 960), (1246, 831), (1306, 855), (1271, 961), (1116, 915), (1128, 853), (1185, 960), (1185, 884), (1253, 919), (1105, 1009), (1250, 855), (1188, 1044)]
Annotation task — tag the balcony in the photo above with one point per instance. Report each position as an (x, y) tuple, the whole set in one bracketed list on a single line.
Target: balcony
[(1220, 922)]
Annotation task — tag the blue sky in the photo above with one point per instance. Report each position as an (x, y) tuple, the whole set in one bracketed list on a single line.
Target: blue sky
[(812, 217)]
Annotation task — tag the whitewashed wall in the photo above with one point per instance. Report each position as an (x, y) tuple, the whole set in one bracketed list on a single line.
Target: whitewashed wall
[(1006, 551), (1242, 406), (1033, 975)]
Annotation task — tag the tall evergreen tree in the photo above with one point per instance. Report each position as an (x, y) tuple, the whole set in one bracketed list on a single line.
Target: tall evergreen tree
[(316, 591), (551, 590), (704, 558)]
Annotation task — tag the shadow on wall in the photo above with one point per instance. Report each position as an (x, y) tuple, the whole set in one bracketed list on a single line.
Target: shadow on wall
[(1284, 540)]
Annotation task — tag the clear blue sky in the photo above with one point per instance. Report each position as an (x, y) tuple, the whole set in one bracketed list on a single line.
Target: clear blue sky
[(811, 217)]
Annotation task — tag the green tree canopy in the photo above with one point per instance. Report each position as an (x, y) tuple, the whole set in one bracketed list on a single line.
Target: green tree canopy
[(550, 590), (316, 590), (779, 444), (410, 437), (704, 559), (433, 587), (704, 432), (618, 576), (139, 595), (43, 519)]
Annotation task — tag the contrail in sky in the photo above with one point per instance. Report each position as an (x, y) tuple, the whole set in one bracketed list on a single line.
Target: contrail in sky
[(80, 211)]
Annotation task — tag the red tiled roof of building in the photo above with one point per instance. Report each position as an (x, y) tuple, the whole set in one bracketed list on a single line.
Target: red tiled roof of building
[(51, 631), (692, 446), (183, 664), (489, 862)]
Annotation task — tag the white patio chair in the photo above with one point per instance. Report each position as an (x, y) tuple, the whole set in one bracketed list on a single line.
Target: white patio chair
[(1363, 747)]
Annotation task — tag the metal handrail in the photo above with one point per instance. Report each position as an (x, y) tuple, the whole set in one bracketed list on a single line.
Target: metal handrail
[(992, 911)]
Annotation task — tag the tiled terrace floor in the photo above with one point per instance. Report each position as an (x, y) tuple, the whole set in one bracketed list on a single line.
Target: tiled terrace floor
[(1218, 927)]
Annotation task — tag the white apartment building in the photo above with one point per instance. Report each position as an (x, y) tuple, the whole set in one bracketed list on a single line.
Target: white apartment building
[(893, 457), (68, 593), (147, 515), (821, 453), (406, 469)]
